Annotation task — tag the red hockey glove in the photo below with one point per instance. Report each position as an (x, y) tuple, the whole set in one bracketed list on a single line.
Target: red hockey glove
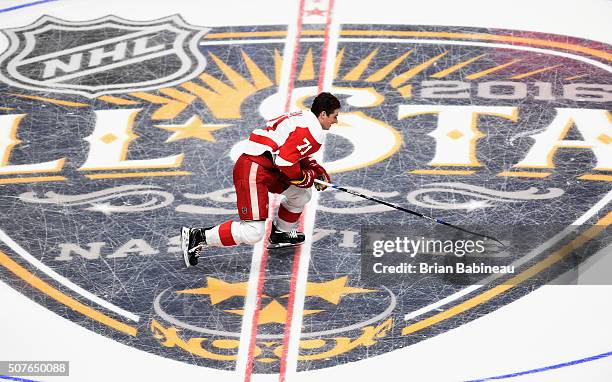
[(320, 172), (307, 180)]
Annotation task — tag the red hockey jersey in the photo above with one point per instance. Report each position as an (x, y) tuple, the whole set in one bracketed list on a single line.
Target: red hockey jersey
[(289, 138)]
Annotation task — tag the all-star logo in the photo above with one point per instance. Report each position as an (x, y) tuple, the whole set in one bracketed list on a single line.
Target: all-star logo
[(103, 56), (473, 126)]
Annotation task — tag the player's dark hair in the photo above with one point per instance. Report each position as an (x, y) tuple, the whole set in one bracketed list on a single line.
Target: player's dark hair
[(326, 102)]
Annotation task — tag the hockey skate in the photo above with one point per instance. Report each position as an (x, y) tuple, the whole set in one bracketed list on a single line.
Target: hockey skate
[(280, 239), (193, 241)]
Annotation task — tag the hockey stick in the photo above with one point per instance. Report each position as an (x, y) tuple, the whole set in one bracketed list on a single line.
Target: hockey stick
[(406, 210)]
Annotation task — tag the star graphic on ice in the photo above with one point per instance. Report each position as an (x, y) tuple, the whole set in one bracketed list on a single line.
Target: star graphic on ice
[(219, 290), (333, 290), (193, 128), (274, 312)]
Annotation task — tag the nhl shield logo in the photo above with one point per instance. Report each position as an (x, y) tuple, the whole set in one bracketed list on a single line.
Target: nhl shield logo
[(103, 56)]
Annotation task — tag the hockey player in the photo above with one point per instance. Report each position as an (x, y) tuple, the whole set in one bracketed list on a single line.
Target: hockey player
[(277, 159)]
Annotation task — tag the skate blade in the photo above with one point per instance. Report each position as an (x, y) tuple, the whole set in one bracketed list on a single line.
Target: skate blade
[(284, 245), (185, 245)]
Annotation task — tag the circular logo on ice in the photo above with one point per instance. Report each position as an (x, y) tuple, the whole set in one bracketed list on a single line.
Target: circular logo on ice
[(114, 134)]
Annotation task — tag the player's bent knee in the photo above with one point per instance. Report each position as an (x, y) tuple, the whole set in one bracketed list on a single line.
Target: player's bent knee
[(252, 231), (306, 196), (297, 197)]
